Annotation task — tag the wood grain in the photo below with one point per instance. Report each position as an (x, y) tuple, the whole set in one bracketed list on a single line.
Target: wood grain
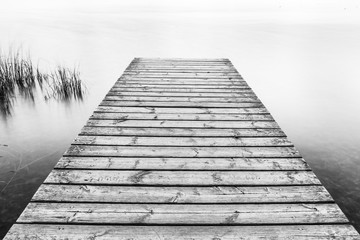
[(178, 195), (180, 99), (193, 214), (222, 152), (157, 110), (146, 163), (182, 124), (180, 104), (181, 132), (182, 117), (85, 232), (181, 141), (183, 178)]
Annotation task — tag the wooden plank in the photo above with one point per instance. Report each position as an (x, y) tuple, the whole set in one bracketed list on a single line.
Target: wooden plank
[(180, 86), (181, 99), (184, 132), (184, 90), (184, 79), (180, 81), (182, 104), (157, 67), (176, 195), (157, 110), (181, 94), (190, 71), (137, 60), (174, 74), (146, 163), (130, 151), (193, 214), (190, 78), (181, 124), (182, 64), (181, 141), (82, 232), (183, 178), (169, 116)]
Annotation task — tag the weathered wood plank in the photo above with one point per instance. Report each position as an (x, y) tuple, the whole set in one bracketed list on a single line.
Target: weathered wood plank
[(183, 63), (181, 104), (160, 60), (226, 82), (182, 94), (181, 141), (208, 88), (193, 214), (178, 71), (149, 65), (145, 163), (193, 78), (85, 232), (131, 151), (192, 75), (183, 90), (182, 124), (225, 65), (182, 117), (157, 110), (180, 86), (182, 99), (184, 79), (218, 195), (183, 178), (157, 67), (181, 132), (140, 61)]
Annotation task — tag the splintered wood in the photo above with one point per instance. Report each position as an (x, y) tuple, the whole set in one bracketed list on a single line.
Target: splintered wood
[(181, 149)]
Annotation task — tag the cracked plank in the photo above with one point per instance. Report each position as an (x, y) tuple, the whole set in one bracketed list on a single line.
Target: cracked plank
[(182, 99), (184, 90), (181, 117), (145, 163), (182, 178), (193, 214), (82, 232), (181, 104), (140, 194), (180, 141), (222, 152), (181, 132), (210, 110), (182, 124)]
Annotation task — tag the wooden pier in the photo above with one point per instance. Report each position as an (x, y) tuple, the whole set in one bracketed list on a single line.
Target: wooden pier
[(182, 149)]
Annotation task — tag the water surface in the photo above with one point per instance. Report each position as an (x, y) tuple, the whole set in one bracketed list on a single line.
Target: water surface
[(301, 59)]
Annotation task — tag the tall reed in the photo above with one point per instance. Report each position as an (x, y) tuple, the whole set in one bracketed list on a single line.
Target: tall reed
[(20, 77)]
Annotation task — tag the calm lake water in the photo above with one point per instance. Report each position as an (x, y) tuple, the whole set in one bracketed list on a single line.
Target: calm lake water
[(301, 59)]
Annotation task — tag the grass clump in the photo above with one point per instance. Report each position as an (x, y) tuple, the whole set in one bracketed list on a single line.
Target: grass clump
[(20, 77)]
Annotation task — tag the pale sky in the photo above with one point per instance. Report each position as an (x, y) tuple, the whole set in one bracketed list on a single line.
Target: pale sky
[(330, 11)]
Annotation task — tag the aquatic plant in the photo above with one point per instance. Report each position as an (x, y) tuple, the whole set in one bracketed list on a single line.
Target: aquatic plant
[(20, 77), (64, 84)]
